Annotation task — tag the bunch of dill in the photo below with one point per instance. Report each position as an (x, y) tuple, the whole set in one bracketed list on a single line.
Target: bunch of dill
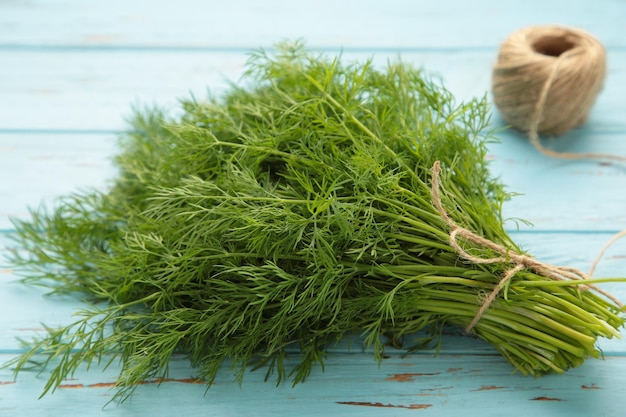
[(290, 212)]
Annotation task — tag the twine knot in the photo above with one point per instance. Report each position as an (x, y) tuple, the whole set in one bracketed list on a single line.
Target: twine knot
[(518, 260)]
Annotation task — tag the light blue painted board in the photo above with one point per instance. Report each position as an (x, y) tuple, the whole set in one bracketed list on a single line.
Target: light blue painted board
[(89, 90), (242, 23), (97, 89), (351, 385), (563, 195), (36, 169), (30, 309), (556, 195), (27, 308), (566, 248)]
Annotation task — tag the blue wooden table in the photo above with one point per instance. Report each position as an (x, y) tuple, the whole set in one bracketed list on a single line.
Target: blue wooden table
[(70, 71)]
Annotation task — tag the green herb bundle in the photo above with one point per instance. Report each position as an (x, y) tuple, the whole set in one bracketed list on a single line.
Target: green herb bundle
[(291, 212)]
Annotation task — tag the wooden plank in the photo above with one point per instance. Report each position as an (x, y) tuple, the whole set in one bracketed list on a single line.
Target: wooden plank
[(36, 169), (30, 309), (556, 195), (350, 385), (393, 24), (96, 90)]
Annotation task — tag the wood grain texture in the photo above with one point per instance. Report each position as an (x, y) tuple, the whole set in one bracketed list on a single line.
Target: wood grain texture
[(97, 89), (350, 385), (368, 24), (71, 71), (577, 250), (554, 195)]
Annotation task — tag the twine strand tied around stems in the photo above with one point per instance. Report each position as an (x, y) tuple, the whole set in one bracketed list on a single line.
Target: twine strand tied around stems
[(520, 261)]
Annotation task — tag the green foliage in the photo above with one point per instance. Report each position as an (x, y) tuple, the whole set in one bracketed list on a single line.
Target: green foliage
[(291, 212)]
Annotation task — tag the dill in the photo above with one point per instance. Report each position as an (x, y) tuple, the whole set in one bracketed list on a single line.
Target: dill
[(288, 213)]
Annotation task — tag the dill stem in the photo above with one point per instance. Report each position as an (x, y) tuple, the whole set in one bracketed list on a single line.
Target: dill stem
[(419, 241), (421, 226), (519, 327)]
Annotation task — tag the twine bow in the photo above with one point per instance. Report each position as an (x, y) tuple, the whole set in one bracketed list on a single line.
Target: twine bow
[(520, 261)]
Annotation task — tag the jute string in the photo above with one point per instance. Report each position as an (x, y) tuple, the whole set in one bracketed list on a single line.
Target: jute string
[(518, 261), (608, 244)]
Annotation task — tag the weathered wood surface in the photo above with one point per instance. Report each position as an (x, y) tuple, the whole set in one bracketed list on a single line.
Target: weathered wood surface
[(70, 72)]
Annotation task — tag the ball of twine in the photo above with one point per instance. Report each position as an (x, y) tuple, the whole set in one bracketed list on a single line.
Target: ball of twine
[(546, 78)]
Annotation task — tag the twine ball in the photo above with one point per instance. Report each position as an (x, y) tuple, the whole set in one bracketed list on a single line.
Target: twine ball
[(548, 76)]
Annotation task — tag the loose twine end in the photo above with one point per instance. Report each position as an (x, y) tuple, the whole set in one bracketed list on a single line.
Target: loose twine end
[(518, 260)]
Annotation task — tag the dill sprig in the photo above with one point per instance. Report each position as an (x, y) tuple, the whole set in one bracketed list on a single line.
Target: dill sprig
[(290, 212)]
